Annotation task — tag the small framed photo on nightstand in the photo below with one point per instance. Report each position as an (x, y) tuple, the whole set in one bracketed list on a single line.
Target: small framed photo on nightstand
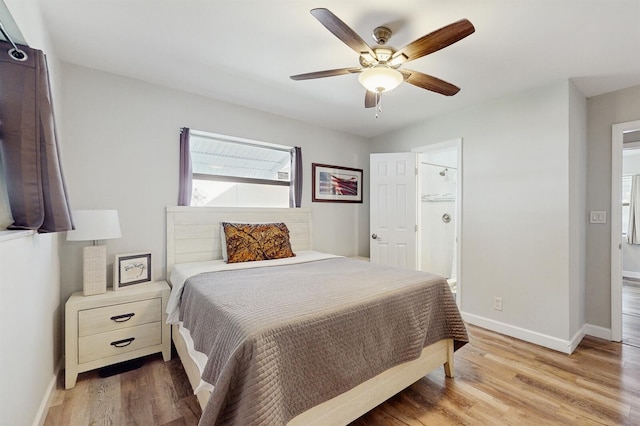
[(130, 269)]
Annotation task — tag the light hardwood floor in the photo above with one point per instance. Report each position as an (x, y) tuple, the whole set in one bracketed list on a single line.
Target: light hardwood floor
[(499, 381), (631, 312), (158, 393)]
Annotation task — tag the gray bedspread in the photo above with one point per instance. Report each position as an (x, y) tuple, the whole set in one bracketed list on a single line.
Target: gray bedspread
[(283, 339)]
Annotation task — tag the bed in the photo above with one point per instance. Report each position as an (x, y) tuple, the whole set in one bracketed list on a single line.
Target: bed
[(322, 396)]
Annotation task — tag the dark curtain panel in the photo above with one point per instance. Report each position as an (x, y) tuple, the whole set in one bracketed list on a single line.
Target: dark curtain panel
[(28, 145), (295, 190), (184, 191)]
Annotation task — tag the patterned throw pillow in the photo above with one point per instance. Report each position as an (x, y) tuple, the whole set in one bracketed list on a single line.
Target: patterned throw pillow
[(248, 242)]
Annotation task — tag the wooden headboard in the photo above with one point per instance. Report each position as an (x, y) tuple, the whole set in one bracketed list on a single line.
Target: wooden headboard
[(193, 233)]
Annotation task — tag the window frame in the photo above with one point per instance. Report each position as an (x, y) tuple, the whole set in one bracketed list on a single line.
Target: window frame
[(237, 179)]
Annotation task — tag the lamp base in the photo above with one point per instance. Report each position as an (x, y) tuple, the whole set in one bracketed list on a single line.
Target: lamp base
[(94, 270)]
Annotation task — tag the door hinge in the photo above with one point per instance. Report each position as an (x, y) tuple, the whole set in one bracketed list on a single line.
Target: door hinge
[(416, 171), (416, 228)]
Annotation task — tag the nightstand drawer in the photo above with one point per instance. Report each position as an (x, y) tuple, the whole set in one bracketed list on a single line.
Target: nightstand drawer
[(115, 317), (129, 339)]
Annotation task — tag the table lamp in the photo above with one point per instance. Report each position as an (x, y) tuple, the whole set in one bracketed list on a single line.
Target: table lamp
[(94, 225)]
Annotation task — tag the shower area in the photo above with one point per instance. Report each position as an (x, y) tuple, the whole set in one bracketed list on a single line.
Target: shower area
[(437, 231)]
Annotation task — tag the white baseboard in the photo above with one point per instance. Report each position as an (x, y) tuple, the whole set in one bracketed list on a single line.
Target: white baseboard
[(41, 415), (597, 331), (577, 338), (560, 345), (550, 342)]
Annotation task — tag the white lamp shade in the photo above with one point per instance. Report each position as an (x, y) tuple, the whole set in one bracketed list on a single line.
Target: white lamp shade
[(380, 79), (94, 225)]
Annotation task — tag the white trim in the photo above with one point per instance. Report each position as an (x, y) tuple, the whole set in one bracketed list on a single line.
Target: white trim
[(596, 331), (576, 339), (226, 138), (43, 410), (12, 235), (617, 144), (560, 345), (565, 346)]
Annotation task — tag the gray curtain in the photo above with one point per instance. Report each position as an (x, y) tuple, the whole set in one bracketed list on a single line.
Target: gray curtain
[(184, 190), (295, 189), (28, 145), (633, 233)]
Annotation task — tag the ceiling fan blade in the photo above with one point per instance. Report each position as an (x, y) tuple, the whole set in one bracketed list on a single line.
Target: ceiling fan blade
[(428, 82), (433, 42), (342, 31), (327, 73), (370, 99)]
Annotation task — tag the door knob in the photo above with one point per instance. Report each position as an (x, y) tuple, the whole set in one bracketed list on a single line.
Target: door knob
[(374, 236)]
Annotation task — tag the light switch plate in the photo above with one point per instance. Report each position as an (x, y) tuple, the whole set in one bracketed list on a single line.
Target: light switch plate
[(598, 216)]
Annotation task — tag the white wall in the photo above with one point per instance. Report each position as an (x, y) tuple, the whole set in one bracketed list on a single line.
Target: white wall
[(121, 144), (577, 218), (516, 209), (602, 112), (30, 313), (30, 310)]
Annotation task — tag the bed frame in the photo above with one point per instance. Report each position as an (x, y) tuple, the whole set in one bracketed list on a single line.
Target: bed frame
[(193, 234)]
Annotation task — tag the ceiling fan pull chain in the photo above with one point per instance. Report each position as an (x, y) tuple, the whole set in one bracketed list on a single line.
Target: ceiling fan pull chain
[(378, 103)]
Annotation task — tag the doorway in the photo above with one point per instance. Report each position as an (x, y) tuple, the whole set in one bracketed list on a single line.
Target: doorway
[(397, 192), (439, 212), (620, 134), (631, 239)]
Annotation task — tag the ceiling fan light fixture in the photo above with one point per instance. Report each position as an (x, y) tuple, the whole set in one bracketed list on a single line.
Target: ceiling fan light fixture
[(380, 79)]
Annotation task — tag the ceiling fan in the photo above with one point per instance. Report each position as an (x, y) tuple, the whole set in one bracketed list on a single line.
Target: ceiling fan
[(380, 67)]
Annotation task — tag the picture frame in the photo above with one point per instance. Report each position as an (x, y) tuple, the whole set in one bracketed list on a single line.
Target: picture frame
[(130, 269), (336, 184)]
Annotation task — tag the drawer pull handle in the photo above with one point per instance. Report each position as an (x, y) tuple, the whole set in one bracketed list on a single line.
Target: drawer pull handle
[(122, 318), (122, 343)]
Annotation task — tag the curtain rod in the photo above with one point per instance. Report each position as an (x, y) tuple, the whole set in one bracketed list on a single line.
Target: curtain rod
[(16, 53)]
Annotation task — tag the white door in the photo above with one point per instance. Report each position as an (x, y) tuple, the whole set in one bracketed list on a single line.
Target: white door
[(617, 145), (394, 204)]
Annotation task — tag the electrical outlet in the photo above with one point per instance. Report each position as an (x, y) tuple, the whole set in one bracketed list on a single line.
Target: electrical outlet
[(497, 303)]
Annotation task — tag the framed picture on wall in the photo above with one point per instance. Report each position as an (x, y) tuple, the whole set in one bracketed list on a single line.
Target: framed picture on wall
[(336, 184), (130, 269)]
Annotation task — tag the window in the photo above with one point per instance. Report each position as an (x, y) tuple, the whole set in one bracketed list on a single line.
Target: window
[(234, 172)]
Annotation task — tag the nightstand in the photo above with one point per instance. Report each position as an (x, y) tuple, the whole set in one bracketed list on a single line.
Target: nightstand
[(114, 327)]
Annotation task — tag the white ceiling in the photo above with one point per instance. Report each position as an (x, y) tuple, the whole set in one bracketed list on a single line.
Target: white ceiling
[(244, 51)]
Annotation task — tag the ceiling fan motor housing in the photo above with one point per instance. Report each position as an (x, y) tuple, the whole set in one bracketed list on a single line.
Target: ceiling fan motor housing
[(381, 35)]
